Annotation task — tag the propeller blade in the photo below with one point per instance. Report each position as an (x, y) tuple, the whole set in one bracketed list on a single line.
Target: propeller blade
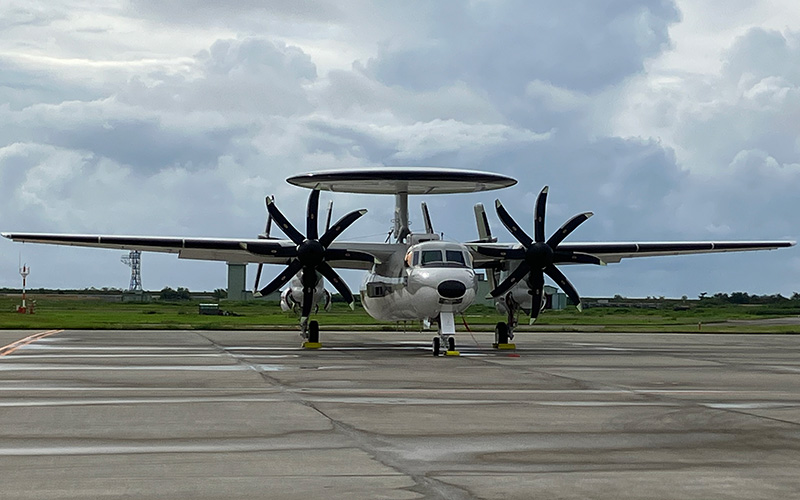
[(536, 284), (577, 258), (342, 254), (258, 277), (511, 225), (538, 215), (565, 285), (312, 226), (503, 253), (567, 228), (286, 226), (281, 279), (338, 228), (330, 212), (268, 228), (338, 283), (512, 279)]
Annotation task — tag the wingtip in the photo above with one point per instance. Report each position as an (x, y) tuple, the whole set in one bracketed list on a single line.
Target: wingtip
[(580, 307), (257, 294), (497, 204), (352, 306), (545, 189)]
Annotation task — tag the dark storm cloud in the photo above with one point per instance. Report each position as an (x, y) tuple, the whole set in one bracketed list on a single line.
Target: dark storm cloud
[(146, 144), (501, 46)]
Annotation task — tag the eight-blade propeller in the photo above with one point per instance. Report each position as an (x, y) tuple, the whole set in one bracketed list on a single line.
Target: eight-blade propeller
[(312, 253), (539, 256)]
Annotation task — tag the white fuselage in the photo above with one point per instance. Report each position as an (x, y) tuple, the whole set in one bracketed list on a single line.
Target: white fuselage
[(431, 277)]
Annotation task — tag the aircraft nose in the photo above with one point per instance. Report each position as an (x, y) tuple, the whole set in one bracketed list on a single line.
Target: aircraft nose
[(452, 289)]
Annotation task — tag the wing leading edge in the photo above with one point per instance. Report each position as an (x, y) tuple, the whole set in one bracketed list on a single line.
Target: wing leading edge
[(613, 252), (243, 251)]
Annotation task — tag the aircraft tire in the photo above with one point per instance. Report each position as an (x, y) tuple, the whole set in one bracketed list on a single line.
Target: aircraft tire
[(451, 344), (501, 333), (313, 331), (436, 346)]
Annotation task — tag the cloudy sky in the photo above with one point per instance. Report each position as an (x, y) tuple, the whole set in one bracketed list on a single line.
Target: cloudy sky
[(671, 120)]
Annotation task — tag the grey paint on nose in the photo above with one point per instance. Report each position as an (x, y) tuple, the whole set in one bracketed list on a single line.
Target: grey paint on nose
[(452, 289)]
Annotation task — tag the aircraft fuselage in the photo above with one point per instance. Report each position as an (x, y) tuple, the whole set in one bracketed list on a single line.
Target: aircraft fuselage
[(431, 277)]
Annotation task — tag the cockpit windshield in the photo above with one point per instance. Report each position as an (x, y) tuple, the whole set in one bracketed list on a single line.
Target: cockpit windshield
[(439, 258)]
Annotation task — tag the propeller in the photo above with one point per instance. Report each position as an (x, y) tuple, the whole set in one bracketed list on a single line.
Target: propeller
[(264, 236), (538, 256), (312, 253)]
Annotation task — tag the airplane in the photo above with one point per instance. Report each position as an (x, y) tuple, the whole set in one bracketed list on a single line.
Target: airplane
[(415, 276)]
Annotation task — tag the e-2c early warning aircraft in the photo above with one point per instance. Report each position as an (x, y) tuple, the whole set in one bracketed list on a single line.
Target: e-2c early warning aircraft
[(415, 276)]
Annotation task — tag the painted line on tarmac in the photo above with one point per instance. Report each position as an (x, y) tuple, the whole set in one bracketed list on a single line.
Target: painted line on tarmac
[(8, 349)]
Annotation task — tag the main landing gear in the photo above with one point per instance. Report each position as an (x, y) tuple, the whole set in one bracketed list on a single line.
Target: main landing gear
[(504, 332), (311, 335)]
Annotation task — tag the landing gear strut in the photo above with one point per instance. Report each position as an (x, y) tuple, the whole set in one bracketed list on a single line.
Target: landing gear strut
[(504, 332), (447, 329)]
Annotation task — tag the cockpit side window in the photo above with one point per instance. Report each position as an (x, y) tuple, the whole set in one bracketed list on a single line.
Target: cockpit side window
[(431, 256), (416, 258)]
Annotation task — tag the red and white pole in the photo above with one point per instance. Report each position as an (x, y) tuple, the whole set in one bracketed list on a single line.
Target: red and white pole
[(24, 271)]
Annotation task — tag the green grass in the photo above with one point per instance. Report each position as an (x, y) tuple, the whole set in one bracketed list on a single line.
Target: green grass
[(82, 312)]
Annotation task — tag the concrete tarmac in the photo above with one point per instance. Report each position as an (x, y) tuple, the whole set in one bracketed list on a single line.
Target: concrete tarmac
[(245, 415)]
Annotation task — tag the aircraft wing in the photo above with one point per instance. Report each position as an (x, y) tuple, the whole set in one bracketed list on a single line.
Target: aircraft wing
[(612, 252), (241, 251)]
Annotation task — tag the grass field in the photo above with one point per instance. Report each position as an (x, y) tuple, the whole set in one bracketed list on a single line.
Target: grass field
[(81, 312)]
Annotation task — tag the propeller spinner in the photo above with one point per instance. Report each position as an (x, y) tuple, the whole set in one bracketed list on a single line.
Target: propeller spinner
[(539, 256), (312, 253)]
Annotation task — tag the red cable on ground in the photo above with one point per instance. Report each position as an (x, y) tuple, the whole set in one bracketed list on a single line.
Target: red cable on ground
[(464, 319)]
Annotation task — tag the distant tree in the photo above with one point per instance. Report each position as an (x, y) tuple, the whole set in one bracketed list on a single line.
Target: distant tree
[(181, 293), (703, 295), (220, 293), (739, 298), (795, 296)]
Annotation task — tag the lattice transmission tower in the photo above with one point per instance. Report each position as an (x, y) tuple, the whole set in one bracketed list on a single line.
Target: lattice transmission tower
[(134, 261)]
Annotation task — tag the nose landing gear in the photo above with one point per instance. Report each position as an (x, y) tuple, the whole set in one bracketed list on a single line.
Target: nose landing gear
[(447, 328)]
